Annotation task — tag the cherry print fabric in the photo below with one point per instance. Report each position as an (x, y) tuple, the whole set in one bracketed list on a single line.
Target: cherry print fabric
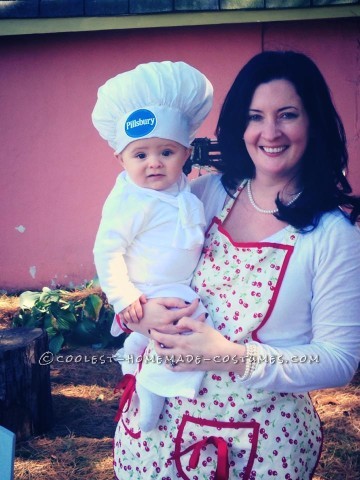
[(228, 430)]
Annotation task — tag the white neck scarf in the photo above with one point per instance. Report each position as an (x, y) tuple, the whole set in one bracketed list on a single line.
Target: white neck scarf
[(189, 231)]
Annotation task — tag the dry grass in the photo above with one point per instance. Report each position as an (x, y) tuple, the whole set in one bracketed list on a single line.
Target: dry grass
[(339, 410), (79, 446), (8, 307)]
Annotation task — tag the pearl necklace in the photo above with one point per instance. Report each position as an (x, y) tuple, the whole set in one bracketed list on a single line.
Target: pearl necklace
[(262, 210)]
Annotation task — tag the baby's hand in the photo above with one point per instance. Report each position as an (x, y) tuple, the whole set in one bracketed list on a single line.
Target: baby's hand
[(134, 312)]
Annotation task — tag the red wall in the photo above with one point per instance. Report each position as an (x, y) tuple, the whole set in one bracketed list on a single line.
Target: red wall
[(55, 169)]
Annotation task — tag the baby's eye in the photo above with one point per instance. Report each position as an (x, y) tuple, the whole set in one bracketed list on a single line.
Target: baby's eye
[(166, 153), (140, 155)]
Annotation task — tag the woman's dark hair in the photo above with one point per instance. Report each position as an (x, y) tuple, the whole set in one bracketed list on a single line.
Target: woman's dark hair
[(325, 159)]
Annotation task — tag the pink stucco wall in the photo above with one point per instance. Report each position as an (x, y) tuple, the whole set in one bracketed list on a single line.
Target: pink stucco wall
[(55, 169)]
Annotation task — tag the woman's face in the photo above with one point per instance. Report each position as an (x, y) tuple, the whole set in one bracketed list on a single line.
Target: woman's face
[(277, 131)]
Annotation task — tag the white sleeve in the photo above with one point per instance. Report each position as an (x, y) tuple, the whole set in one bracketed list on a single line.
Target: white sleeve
[(332, 356), (122, 219), (209, 189)]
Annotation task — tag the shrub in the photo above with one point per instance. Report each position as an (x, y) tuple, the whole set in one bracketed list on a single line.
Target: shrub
[(85, 320)]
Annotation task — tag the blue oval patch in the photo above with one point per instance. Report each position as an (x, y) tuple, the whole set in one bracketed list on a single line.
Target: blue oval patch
[(140, 123)]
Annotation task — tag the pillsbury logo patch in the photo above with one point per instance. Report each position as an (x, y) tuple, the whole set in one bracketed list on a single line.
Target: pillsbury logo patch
[(140, 123)]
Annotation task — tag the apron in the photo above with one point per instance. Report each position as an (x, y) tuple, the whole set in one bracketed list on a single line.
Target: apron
[(228, 431)]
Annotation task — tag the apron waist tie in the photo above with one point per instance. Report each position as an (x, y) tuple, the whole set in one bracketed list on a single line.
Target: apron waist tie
[(222, 469), (127, 383)]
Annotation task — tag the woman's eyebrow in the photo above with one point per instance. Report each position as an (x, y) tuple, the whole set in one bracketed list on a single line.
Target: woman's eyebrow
[(287, 108), (279, 110)]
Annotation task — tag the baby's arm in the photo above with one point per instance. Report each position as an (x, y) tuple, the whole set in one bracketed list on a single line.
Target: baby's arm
[(133, 313), (162, 314), (118, 228)]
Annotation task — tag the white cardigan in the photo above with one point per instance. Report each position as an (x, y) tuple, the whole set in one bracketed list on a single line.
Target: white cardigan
[(317, 313)]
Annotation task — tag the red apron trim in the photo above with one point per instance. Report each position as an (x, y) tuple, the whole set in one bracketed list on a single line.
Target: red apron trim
[(222, 470), (127, 383), (132, 434), (219, 223), (288, 249), (209, 227), (122, 325)]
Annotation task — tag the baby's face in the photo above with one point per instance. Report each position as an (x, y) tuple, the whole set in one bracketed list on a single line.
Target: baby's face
[(154, 163)]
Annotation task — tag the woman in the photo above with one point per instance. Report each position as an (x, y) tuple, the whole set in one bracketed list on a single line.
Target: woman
[(279, 281)]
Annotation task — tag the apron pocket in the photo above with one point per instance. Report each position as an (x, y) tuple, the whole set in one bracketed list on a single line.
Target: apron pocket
[(218, 450)]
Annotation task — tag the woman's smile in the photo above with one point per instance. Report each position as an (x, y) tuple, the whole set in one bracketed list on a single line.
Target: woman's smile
[(274, 150)]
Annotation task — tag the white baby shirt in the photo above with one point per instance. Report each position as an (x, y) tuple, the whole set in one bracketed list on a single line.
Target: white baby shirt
[(145, 241)]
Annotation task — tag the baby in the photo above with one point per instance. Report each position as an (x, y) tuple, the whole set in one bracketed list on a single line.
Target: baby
[(152, 228)]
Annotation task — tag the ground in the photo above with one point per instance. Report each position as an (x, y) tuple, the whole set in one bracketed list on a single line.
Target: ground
[(79, 446)]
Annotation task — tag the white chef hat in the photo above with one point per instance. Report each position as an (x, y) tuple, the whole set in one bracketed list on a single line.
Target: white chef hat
[(157, 99)]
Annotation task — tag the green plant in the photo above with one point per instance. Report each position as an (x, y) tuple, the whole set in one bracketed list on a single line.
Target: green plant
[(85, 320)]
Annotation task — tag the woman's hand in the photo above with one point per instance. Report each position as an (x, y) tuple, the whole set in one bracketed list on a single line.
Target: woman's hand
[(202, 348), (161, 314)]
